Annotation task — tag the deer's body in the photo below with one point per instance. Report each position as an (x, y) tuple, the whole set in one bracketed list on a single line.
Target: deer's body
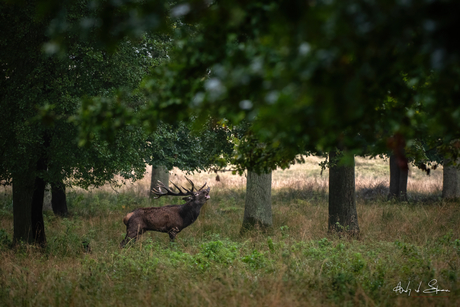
[(168, 219)]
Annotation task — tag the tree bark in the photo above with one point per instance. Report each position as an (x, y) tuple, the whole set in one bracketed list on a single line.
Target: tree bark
[(450, 181), (23, 190), (342, 197), (58, 199), (403, 176), (394, 178), (258, 204), (47, 199), (161, 174), (38, 225), (28, 193), (398, 181)]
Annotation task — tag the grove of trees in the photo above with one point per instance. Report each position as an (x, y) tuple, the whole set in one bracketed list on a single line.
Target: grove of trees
[(90, 88)]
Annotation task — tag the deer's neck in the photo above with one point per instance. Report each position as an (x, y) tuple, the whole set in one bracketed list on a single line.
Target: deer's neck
[(190, 212)]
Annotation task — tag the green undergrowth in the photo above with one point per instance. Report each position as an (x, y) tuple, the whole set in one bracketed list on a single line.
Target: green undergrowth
[(297, 264)]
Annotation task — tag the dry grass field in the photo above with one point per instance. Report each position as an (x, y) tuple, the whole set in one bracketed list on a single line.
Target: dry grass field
[(298, 263)]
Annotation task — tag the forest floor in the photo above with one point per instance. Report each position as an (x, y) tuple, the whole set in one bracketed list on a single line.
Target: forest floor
[(404, 246)]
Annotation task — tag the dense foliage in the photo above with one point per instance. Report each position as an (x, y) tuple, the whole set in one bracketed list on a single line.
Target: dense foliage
[(41, 93), (308, 75), (312, 74)]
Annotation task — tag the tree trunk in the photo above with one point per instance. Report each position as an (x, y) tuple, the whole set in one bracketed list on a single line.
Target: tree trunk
[(23, 190), (47, 200), (450, 181), (38, 225), (258, 204), (342, 197), (58, 199), (403, 176), (394, 178), (28, 193), (398, 181), (161, 174)]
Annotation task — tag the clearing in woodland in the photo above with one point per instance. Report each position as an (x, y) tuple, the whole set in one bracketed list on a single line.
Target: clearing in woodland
[(403, 246)]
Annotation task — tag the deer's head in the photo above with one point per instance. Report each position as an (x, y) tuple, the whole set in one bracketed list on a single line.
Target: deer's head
[(202, 195)]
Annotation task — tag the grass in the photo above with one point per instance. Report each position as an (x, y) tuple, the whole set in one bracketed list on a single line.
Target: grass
[(297, 264)]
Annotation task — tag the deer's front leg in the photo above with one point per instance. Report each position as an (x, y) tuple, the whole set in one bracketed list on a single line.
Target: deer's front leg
[(173, 233)]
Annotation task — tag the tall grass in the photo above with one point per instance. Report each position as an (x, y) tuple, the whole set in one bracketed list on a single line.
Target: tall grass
[(297, 264)]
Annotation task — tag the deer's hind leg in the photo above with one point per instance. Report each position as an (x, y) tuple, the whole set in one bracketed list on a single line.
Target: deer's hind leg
[(133, 231)]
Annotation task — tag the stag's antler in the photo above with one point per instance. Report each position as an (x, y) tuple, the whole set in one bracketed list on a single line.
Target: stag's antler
[(187, 192)]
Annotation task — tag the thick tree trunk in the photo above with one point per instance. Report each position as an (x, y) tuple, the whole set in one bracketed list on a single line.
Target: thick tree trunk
[(342, 197), (450, 181), (158, 174), (28, 193), (394, 178), (47, 200), (58, 200), (258, 204), (403, 176), (23, 190), (38, 225), (398, 181)]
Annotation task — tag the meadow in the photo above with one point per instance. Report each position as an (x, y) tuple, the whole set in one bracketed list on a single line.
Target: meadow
[(298, 263)]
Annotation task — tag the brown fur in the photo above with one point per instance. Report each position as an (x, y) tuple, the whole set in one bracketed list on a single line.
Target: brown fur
[(127, 217), (168, 219)]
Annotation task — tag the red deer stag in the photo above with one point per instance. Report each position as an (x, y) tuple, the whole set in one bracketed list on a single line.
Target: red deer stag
[(170, 219)]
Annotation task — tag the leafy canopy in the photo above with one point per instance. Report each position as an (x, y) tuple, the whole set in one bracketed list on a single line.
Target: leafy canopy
[(305, 73)]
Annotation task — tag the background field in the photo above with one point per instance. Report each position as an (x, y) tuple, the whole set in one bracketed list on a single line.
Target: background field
[(297, 264)]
